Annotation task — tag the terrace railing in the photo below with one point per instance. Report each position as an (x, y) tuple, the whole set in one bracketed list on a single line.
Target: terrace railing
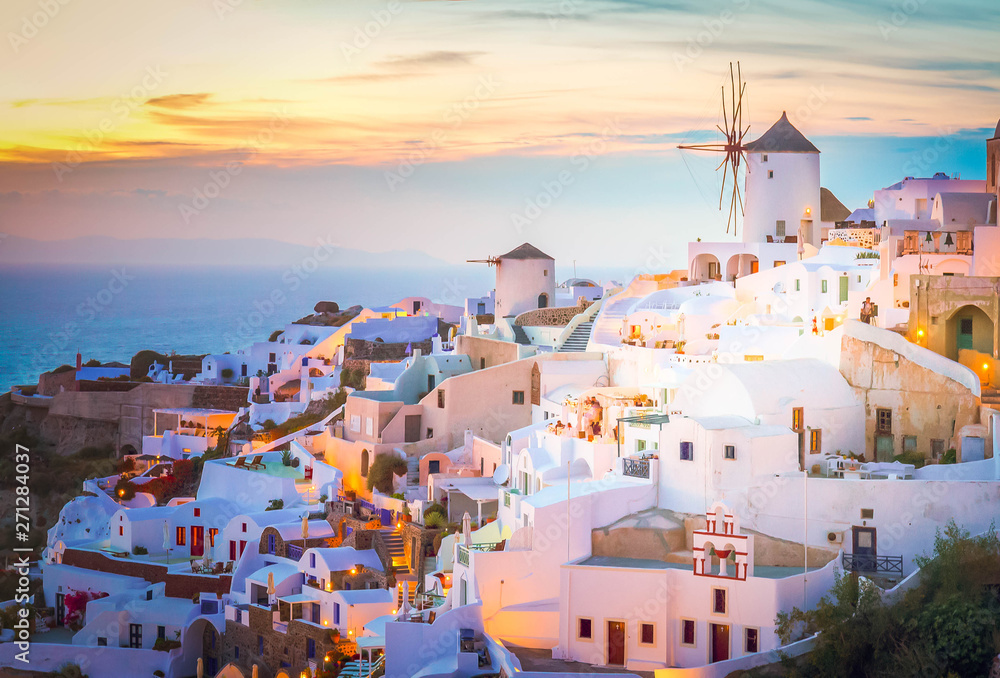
[(635, 468), (860, 562)]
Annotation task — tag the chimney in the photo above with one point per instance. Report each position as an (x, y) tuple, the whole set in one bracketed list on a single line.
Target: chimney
[(79, 360)]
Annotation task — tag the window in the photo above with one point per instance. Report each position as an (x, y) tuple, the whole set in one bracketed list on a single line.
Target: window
[(867, 514), (688, 637), (895, 280), (312, 560), (816, 441), (585, 629), (482, 363), (135, 635), (779, 228), (823, 287), (796, 419), (883, 420), (244, 527), (751, 640), (161, 632), (197, 513), (310, 648), (517, 398), (770, 174), (430, 433), (430, 382), (647, 633), (545, 272), (719, 602), (763, 157), (729, 451), (441, 398), (778, 263), (181, 536), (271, 543), (270, 358), (336, 613), (798, 285), (909, 443), (121, 531), (149, 594), (687, 451), (102, 642), (369, 426), (356, 423), (364, 463), (640, 446), (212, 531), (937, 449), (236, 651)]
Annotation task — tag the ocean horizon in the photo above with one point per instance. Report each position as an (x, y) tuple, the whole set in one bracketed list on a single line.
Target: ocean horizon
[(112, 312)]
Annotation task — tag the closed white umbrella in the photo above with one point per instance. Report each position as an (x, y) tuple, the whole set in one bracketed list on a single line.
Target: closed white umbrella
[(467, 528), (166, 539)]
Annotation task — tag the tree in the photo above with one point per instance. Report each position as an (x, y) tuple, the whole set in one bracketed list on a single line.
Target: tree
[(947, 625), (383, 469)]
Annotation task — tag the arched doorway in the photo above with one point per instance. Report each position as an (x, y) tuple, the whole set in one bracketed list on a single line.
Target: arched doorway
[(740, 265), (704, 267), (128, 450), (543, 300), (364, 463), (968, 328)]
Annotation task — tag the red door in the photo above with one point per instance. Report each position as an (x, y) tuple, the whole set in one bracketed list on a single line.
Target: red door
[(232, 549), (197, 540), (243, 545), (720, 642)]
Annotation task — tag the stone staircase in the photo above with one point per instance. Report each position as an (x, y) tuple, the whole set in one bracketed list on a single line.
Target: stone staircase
[(397, 554), (991, 396), (519, 336), (578, 339), (412, 472)]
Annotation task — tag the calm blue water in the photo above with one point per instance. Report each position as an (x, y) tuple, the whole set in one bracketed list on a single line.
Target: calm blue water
[(49, 313)]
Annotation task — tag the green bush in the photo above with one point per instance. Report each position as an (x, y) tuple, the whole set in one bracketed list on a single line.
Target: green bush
[(915, 458), (275, 505), (434, 520), (61, 369), (274, 335), (383, 468), (436, 508), (950, 457), (227, 373), (92, 363), (139, 550)]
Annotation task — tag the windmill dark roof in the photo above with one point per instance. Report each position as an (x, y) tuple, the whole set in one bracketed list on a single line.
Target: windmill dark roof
[(996, 134), (830, 208), (782, 138), (525, 251)]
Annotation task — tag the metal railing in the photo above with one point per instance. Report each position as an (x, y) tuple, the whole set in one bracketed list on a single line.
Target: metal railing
[(861, 562), (635, 468), (463, 556)]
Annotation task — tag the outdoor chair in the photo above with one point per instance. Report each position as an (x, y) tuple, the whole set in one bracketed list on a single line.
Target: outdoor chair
[(241, 462), (257, 462), (229, 568)]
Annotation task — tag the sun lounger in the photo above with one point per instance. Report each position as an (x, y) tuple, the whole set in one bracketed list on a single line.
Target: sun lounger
[(241, 462), (257, 462)]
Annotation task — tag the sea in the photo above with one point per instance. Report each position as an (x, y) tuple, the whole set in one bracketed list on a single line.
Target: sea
[(108, 313)]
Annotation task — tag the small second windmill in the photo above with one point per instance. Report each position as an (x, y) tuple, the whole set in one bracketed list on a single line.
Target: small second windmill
[(732, 147)]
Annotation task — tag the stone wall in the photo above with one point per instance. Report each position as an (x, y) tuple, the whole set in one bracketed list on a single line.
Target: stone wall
[(923, 403), (229, 398), (551, 317), (486, 352), (281, 546), (177, 585)]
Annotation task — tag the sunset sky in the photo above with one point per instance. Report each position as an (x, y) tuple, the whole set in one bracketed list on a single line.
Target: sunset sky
[(438, 124)]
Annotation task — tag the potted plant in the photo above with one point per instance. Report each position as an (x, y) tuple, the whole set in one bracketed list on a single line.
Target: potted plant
[(286, 458), (405, 516)]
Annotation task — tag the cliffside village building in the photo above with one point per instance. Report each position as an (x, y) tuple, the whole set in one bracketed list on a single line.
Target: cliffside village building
[(635, 476)]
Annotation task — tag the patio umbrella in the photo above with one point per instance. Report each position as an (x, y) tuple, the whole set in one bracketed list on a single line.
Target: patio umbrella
[(201, 668), (166, 538), (270, 587), (305, 529), (467, 528)]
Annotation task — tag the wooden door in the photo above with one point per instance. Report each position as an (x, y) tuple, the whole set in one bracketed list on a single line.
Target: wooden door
[(754, 266), (135, 635), (843, 288), (232, 549), (865, 548), (720, 642), (411, 428), (197, 540), (616, 643), (964, 333), (884, 448)]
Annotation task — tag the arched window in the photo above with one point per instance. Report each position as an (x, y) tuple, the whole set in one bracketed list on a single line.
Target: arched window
[(543, 300), (364, 463)]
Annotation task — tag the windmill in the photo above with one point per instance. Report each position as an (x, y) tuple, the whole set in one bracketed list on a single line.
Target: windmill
[(733, 146)]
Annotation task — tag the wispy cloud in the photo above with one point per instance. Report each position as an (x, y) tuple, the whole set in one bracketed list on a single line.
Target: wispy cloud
[(179, 100)]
